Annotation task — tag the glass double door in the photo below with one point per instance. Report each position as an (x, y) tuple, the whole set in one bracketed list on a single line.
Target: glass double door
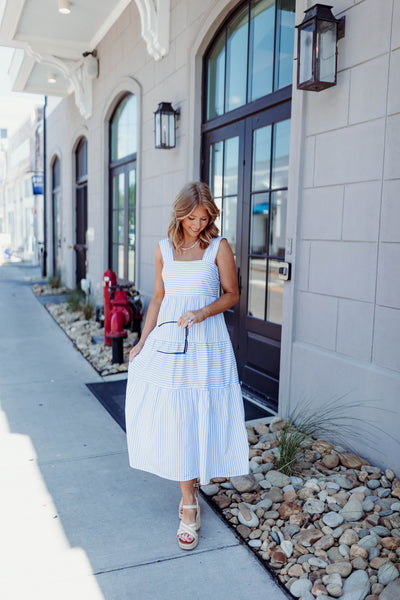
[(80, 233), (123, 221), (246, 166)]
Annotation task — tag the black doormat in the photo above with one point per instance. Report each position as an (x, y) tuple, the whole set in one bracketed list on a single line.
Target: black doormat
[(111, 394)]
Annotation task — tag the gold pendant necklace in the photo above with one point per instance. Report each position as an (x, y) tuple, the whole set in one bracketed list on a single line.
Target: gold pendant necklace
[(190, 247)]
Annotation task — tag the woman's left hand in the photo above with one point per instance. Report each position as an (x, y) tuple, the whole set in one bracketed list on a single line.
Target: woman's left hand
[(190, 317)]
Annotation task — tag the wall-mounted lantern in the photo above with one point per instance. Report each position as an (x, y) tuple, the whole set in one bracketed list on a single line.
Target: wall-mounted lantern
[(165, 125), (91, 64), (318, 34)]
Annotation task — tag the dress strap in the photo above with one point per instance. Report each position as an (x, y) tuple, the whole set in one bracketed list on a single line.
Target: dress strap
[(166, 250), (211, 252)]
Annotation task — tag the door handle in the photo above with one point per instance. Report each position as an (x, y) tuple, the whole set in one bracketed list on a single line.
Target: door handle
[(284, 272), (239, 276)]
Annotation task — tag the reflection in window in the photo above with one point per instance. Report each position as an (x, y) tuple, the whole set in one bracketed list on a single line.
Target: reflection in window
[(224, 161), (123, 133), (261, 159), (216, 156), (257, 277), (259, 224), (275, 293), (124, 128), (236, 62), (231, 159), (268, 220), (278, 223), (285, 18), (261, 59), (216, 79), (280, 160), (256, 44)]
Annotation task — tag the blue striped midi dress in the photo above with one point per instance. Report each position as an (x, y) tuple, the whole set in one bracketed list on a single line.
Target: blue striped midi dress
[(184, 410)]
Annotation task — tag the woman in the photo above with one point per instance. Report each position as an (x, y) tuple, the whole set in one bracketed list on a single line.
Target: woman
[(184, 408)]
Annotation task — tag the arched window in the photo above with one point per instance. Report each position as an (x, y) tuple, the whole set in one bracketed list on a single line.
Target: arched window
[(81, 220), (56, 220), (246, 133), (123, 148), (252, 56)]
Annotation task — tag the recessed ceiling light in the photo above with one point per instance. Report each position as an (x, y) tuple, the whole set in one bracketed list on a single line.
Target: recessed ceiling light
[(64, 7), (51, 78)]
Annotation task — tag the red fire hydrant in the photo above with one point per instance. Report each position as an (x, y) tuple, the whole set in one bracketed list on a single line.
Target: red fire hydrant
[(117, 315)]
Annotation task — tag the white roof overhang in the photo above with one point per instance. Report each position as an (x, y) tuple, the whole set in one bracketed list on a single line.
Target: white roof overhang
[(47, 42)]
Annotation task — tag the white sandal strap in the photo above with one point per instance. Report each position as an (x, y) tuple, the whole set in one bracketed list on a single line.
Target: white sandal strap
[(189, 528), (189, 505)]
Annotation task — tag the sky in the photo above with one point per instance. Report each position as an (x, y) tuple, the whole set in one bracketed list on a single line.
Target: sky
[(14, 107)]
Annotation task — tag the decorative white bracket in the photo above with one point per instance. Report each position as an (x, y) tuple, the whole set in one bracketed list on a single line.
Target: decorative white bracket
[(74, 72), (154, 17)]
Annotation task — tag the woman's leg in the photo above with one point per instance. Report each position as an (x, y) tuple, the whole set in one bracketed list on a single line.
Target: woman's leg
[(189, 497)]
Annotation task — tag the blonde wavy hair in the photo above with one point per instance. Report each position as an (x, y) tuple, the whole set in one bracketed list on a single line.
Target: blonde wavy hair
[(191, 196)]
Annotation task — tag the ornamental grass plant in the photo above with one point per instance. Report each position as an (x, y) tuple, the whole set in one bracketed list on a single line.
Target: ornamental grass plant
[(330, 422)]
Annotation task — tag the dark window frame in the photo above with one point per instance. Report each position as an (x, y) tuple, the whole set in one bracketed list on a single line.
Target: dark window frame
[(115, 167)]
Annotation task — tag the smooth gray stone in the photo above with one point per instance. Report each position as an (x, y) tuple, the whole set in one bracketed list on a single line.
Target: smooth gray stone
[(314, 506), (332, 485), (288, 488), (291, 529), (391, 592), (352, 510), (373, 553), (369, 541), (343, 482), (210, 489), (277, 479), (383, 492), (380, 530), (332, 519), (274, 535), (373, 484), (227, 485), (304, 558), (318, 562), (255, 543), (387, 573), (356, 586), (296, 480), (264, 504), (368, 505), (300, 587)]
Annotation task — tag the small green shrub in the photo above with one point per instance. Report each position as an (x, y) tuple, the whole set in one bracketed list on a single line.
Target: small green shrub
[(75, 299), (55, 281)]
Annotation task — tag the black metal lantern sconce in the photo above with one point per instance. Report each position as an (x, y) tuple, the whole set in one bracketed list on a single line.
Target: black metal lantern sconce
[(318, 34), (165, 119)]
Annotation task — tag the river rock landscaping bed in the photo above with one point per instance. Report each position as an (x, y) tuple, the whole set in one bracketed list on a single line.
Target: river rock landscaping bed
[(82, 332), (331, 530), (44, 289)]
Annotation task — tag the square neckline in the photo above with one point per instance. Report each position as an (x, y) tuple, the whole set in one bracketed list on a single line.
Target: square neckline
[(189, 261)]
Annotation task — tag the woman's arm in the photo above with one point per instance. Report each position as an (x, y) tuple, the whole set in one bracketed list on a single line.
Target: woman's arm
[(229, 283), (154, 306)]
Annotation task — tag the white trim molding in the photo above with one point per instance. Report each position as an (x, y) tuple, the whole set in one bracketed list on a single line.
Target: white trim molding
[(74, 72), (155, 17)]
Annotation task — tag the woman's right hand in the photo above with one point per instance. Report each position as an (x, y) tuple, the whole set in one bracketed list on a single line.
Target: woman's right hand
[(135, 351)]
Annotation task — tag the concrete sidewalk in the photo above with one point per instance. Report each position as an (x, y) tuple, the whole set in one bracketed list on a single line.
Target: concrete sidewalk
[(75, 521)]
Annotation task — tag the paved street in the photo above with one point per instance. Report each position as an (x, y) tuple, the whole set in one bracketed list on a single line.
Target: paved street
[(76, 521)]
